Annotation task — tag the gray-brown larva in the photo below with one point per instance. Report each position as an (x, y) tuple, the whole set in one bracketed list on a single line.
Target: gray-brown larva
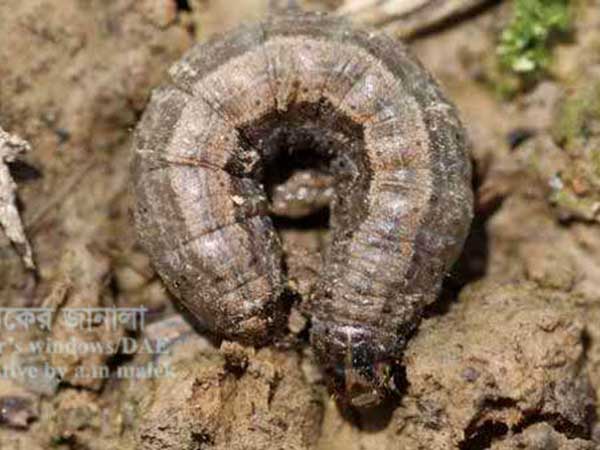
[(364, 112)]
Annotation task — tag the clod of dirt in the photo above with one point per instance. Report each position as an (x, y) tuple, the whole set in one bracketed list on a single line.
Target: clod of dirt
[(234, 399), (84, 274), (18, 408), (506, 356), (77, 417), (542, 437)]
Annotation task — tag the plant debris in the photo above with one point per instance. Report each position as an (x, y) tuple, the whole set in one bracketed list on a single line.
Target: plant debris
[(11, 147)]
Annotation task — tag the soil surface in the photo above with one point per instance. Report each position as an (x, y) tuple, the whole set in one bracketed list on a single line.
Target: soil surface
[(508, 358)]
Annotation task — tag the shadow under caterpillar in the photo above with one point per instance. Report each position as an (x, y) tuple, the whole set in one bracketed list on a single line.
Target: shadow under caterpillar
[(358, 108)]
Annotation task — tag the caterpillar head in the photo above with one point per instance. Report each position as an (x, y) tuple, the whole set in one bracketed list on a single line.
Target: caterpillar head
[(358, 368)]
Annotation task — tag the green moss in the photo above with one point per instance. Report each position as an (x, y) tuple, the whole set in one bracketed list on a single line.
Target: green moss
[(524, 46), (524, 51)]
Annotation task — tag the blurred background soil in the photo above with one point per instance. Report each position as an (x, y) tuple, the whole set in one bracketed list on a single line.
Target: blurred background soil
[(509, 358)]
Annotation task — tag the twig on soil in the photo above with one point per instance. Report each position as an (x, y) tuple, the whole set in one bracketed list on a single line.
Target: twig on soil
[(407, 18)]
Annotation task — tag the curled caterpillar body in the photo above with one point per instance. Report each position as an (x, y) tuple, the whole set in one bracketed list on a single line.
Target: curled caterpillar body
[(353, 105)]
